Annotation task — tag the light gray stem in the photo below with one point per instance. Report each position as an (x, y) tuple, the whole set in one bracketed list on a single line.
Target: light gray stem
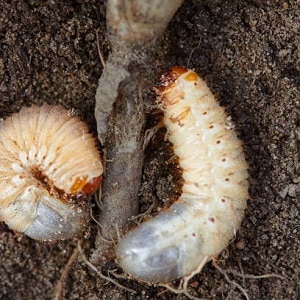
[(133, 26), (113, 75)]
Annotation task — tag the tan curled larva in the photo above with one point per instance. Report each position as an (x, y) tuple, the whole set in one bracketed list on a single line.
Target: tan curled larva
[(200, 224), (49, 165)]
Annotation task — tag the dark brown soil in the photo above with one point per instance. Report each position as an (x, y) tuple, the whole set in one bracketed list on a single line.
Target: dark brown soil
[(249, 53)]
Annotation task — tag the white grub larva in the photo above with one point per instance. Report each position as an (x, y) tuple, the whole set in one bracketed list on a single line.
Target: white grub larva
[(200, 224), (49, 165)]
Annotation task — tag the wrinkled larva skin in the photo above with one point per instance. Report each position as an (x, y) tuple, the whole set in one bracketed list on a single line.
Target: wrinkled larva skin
[(200, 224), (49, 165)]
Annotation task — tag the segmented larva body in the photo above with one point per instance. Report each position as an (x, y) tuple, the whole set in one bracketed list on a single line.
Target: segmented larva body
[(200, 224), (49, 164)]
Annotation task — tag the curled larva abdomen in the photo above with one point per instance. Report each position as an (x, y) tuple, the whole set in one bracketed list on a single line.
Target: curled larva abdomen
[(49, 165), (210, 209)]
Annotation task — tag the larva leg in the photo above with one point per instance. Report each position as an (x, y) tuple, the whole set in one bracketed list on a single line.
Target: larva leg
[(209, 211)]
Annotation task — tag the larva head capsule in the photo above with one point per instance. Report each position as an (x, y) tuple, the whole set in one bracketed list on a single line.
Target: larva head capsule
[(170, 76), (49, 166)]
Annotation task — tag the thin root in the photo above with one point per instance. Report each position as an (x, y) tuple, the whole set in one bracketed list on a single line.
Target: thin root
[(62, 280), (99, 224), (94, 219), (242, 275), (192, 52), (186, 279), (104, 239), (99, 50), (139, 217), (90, 265), (119, 276), (224, 273), (183, 286), (98, 197), (180, 291), (250, 276)]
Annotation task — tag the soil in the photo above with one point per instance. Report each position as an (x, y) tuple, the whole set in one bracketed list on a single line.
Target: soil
[(249, 53)]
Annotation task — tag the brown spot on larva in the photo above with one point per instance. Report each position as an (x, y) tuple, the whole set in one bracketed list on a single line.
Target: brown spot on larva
[(223, 200), (223, 159), (226, 179), (218, 142), (212, 219), (205, 113), (193, 234), (211, 126)]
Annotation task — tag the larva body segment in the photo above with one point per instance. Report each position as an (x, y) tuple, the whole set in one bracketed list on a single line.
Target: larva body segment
[(200, 224), (49, 164)]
